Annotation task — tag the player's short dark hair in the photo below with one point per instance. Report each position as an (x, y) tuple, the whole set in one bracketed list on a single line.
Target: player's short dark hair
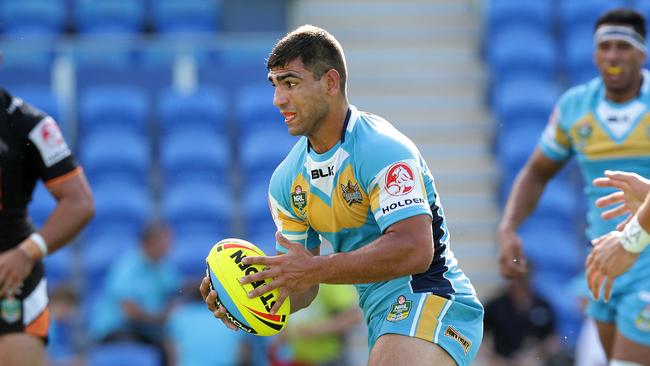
[(623, 16), (318, 50), (152, 229)]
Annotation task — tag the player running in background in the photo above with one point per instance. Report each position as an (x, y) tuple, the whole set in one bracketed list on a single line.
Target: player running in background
[(357, 182), (32, 148), (605, 124), (615, 252)]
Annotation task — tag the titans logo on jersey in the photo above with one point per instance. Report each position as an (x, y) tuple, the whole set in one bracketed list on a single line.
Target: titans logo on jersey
[(603, 135), (372, 178)]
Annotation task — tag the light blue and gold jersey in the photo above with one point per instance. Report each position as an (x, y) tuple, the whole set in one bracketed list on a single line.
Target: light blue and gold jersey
[(372, 178), (603, 135)]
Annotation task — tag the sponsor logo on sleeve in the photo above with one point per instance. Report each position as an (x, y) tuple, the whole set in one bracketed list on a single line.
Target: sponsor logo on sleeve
[(400, 179), (49, 141), (455, 335)]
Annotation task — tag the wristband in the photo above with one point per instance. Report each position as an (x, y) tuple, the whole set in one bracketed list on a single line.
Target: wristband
[(40, 243), (634, 238)]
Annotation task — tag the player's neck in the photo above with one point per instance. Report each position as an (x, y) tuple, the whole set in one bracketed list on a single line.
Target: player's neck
[(330, 131), (622, 96)]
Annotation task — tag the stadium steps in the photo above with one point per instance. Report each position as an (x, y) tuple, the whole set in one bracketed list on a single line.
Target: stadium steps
[(417, 64)]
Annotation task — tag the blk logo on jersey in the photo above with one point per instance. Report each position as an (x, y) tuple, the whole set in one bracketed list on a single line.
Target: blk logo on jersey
[(400, 179), (320, 173)]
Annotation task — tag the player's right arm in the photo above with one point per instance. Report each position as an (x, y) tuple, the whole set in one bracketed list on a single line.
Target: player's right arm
[(526, 191)]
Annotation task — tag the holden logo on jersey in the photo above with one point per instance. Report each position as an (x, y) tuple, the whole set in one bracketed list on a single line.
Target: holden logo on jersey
[(351, 193), (399, 179), (299, 199), (50, 133)]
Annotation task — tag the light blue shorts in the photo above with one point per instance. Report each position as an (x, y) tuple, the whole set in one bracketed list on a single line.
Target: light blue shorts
[(629, 306), (455, 325)]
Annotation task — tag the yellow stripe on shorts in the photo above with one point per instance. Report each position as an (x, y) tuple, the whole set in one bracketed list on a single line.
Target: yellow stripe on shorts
[(428, 322)]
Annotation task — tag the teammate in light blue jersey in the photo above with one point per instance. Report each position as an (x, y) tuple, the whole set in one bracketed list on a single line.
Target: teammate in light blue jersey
[(605, 124), (355, 181)]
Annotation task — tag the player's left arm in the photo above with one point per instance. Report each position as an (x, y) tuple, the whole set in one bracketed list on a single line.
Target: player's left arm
[(614, 253)]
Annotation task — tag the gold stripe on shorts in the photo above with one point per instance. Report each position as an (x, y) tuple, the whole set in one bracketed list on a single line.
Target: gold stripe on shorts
[(428, 322)]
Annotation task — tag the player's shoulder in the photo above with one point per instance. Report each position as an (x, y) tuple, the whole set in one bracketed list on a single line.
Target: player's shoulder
[(578, 100), (22, 115), (373, 134), (292, 164)]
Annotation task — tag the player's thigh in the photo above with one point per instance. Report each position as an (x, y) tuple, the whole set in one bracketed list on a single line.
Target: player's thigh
[(629, 350), (398, 350), (20, 349), (606, 333)]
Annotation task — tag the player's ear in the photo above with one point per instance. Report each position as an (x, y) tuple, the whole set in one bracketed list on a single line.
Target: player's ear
[(332, 80)]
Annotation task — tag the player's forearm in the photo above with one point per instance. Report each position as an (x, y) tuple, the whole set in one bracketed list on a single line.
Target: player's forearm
[(66, 220), (526, 191), (390, 256), (643, 214), (302, 299)]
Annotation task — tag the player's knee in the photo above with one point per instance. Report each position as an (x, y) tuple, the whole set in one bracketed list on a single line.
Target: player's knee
[(615, 362)]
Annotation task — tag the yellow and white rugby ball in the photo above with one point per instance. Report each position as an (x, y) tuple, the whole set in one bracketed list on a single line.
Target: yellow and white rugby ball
[(225, 268)]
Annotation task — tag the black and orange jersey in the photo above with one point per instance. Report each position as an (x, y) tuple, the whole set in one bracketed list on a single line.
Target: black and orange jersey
[(32, 147)]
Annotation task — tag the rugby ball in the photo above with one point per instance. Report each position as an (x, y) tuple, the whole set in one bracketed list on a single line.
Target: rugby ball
[(225, 268)]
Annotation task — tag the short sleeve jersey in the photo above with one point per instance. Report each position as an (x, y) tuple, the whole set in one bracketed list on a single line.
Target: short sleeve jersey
[(31, 148), (372, 178), (602, 135)]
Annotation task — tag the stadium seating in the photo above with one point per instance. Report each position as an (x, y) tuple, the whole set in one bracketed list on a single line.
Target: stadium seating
[(116, 155), (261, 152), (114, 108), (186, 16), (204, 108), (508, 58), (576, 14), (123, 354), (89, 50), (578, 51), (524, 99), (254, 109), (41, 97), (121, 208), (189, 251), (41, 205), (125, 17), (32, 18), (508, 13), (60, 266), (186, 206), (195, 156), (99, 251)]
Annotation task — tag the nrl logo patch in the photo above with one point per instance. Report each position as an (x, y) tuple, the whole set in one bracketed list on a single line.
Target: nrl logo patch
[(642, 321), (455, 335), (400, 310), (351, 193), (11, 310), (299, 199)]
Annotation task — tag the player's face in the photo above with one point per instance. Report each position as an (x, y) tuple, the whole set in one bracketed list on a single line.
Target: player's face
[(300, 98), (619, 64)]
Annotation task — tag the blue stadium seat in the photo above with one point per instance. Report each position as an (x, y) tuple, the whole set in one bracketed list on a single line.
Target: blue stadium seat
[(508, 13), (41, 205), (262, 152), (124, 17), (98, 252), (60, 266), (195, 156), (508, 59), (552, 246), (26, 62), (188, 252), (524, 99), (89, 50), (110, 108), (114, 155), (579, 52), (186, 206), (254, 109), (259, 226), (186, 16), (42, 18), (577, 14), (515, 144), (205, 108), (121, 209), (123, 354)]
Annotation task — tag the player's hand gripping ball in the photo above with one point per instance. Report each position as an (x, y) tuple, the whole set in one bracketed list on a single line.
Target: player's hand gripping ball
[(225, 268)]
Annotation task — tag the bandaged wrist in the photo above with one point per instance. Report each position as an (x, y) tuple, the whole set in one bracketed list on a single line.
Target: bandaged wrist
[(634, 238), (40, 243)]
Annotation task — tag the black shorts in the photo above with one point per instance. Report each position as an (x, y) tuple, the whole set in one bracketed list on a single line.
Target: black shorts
[(27, 312)]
